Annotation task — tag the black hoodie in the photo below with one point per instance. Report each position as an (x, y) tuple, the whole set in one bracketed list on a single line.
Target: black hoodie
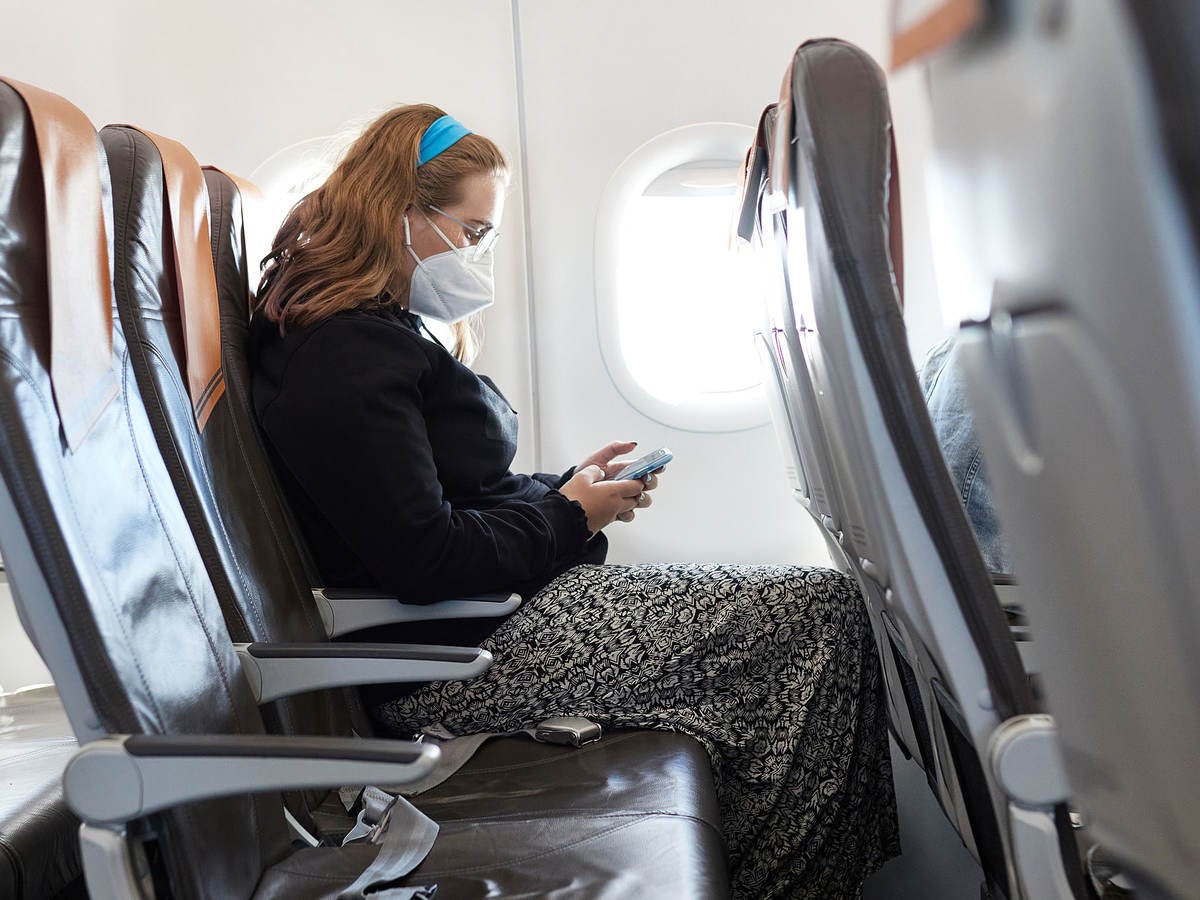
[(395, 458)]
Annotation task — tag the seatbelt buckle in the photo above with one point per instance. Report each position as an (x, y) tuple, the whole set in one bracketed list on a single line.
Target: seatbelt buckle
[(373, 818), (574, 731)]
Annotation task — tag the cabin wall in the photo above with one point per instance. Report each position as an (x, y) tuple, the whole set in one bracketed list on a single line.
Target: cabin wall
[(600, 80), (238, 81), (596, 81)]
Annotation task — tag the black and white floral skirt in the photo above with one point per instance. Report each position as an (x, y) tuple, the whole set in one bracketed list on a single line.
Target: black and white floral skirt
[(773, 669)]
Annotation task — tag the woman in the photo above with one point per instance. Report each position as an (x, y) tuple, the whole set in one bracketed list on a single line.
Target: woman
[(396, 458)]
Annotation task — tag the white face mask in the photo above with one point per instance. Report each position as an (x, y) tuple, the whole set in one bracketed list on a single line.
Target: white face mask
[(449, 286)]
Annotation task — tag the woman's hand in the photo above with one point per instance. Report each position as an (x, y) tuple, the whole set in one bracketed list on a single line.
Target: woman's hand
[(604, 501), (603, 458), (649, 483)]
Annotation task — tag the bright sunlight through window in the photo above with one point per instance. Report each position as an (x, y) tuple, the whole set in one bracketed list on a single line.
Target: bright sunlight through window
[(677, 305)]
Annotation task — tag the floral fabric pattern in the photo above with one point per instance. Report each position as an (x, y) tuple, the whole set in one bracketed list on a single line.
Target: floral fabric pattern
[(773, 669)]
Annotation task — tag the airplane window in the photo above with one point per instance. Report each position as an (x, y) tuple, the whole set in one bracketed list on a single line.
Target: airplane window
[(676, 304)]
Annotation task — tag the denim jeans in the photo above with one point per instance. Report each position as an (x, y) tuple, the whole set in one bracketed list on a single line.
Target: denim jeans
[(945, 395)]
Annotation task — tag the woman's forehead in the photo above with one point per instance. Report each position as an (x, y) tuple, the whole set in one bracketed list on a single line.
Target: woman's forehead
[(482, 197)]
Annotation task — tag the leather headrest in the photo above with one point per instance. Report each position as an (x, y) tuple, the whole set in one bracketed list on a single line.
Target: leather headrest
[(187, 206), (837, 96), (79, 274), (253, 224)]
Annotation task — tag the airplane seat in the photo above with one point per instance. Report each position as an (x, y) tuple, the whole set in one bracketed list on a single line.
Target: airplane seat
[(1076, 202), (990, 754), (39, 853), (165, 307), (231, 201), (112, 589), (220, 468), (513, 774), (87, 534), (792, 399), (762, 224), (39, 856)]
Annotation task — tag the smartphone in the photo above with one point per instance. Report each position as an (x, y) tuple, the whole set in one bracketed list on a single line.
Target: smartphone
[(644, 465)]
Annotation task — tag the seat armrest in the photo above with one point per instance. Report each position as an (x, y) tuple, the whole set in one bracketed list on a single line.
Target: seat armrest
[(344, 611), (279, 670), (123, 777), (1027, 762)]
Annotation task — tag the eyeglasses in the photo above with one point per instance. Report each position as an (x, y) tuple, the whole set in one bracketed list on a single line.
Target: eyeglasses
[(482, 239)]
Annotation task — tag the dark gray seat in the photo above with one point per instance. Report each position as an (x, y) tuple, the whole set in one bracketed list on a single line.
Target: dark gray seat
[(784, 349), (1084, 383), (988, 753), (39, 850)]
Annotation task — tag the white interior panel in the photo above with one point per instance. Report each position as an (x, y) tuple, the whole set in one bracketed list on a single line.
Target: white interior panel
[(600, 80), (237, 81)]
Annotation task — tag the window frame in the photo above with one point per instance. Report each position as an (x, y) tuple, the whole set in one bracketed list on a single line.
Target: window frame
[(724, 411)]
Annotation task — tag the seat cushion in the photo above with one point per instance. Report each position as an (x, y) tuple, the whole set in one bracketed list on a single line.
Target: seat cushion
[(633, 815), (39, 846), (583, 857), (643, 771)]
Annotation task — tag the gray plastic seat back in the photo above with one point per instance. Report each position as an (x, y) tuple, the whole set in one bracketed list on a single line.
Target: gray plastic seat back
[(788, 336), (102, 563), (791, 395), (1077, 199), (764, 224), (904, 526)]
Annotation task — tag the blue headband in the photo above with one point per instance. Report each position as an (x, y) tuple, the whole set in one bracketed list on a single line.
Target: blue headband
[(443, 133)]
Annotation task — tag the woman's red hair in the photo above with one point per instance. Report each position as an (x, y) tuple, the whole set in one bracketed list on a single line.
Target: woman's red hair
[(338, 248)]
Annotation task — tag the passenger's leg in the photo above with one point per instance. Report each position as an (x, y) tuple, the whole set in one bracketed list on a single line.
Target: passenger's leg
[(773, 669)]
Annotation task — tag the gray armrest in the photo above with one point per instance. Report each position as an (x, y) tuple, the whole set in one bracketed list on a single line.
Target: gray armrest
[(1027, 765), (344, 611), (278, 670), (124, 777)]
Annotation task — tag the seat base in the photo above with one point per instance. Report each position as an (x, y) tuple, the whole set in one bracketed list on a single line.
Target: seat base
[(39, 847), (633, 815)]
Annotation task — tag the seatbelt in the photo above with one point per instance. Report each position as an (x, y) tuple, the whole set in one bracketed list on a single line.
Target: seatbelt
[(574, 731), (456, 752), (373, 817), (404, 834)]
